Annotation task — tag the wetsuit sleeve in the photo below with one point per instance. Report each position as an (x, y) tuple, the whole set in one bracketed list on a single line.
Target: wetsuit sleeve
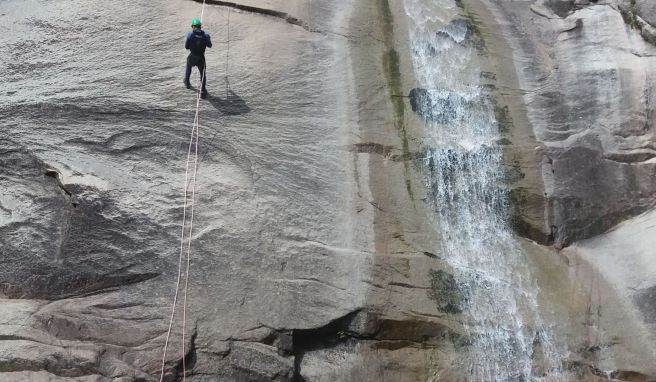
[(187, 41), (208, 41)]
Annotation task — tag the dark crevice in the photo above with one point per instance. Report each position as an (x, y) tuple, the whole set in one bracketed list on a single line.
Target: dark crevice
[(263, 11), (431, 255), (54, 174), (362, 326), (10, 337), (330, 335), (621, 375), (630, 158)]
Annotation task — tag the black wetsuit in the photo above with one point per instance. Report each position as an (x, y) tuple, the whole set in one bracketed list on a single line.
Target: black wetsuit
[(197, 41)]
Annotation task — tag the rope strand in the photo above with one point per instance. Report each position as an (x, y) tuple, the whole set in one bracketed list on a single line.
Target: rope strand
[(182, 236), (227, 56), (190, 236), (195, 130)]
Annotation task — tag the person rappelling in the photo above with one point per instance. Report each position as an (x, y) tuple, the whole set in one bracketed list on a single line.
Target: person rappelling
[(197, 41)]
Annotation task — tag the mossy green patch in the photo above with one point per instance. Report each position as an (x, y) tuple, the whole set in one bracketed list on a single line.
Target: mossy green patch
[(630, 15), (392, 68), (518, 198), (386, 12)]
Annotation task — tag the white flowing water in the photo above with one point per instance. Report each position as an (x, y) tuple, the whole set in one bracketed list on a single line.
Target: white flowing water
[(496, 294)]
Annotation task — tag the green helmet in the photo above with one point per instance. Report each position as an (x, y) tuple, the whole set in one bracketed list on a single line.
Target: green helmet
[(196, 23)]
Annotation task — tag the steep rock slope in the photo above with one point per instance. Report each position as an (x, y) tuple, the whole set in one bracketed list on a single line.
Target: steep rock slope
[(584, 90), (575, 80), (309, 255)]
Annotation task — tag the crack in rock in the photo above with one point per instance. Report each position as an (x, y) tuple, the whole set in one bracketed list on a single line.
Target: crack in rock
[(264, 11)]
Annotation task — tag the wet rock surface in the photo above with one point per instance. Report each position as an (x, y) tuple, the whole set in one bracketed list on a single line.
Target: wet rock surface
[(315, 256), (289, 280), (585, 86), (619, 268), (580, 142)]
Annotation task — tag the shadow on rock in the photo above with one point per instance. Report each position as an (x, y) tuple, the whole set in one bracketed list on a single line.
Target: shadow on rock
[(233, 104)]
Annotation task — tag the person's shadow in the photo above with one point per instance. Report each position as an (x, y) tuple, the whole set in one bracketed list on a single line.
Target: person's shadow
[(232, 104)]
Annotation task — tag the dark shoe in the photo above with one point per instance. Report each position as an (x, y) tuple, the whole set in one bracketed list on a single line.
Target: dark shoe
[(187, 83), (203, 94)]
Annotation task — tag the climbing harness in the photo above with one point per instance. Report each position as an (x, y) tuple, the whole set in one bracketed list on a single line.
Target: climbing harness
[(189, 181)]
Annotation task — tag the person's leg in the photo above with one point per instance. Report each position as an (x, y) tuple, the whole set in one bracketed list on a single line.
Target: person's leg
[(202, 69), (187, 74)]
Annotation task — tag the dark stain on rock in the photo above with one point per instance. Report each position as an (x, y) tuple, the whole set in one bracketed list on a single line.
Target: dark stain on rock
[(431, 255), (79, 112), (446, 292), (488, 75), (561, 7), (645, 300), (385, 151), (415, 331), (520, 203), (371, 148), (392, 69), (438, 107), (503, 118), (65, 251)]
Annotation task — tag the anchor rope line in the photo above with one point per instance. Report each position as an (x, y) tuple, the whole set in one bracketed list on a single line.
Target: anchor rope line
[(190, 236), (227, 55), (182, 237), (189, 180), (211, 140)]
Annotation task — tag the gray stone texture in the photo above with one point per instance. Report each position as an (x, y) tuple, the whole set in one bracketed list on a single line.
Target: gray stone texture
[(313, 254), (585, 80), (288, 275), (577, 78)]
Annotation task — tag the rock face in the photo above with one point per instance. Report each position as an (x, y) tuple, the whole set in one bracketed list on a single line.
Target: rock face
[(586, 79), (298, 270), (315, 254), (575, 79), (620, 265)]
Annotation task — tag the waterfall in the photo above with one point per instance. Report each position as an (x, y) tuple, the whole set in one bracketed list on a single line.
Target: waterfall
[(493, 289)]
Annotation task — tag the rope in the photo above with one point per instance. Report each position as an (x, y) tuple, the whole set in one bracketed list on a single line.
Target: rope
[(191, 227), (211, 141), (227, 56), (192, 143)]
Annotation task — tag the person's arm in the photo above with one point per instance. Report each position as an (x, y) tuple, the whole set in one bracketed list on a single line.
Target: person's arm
[(187, 41), (208, 40)]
